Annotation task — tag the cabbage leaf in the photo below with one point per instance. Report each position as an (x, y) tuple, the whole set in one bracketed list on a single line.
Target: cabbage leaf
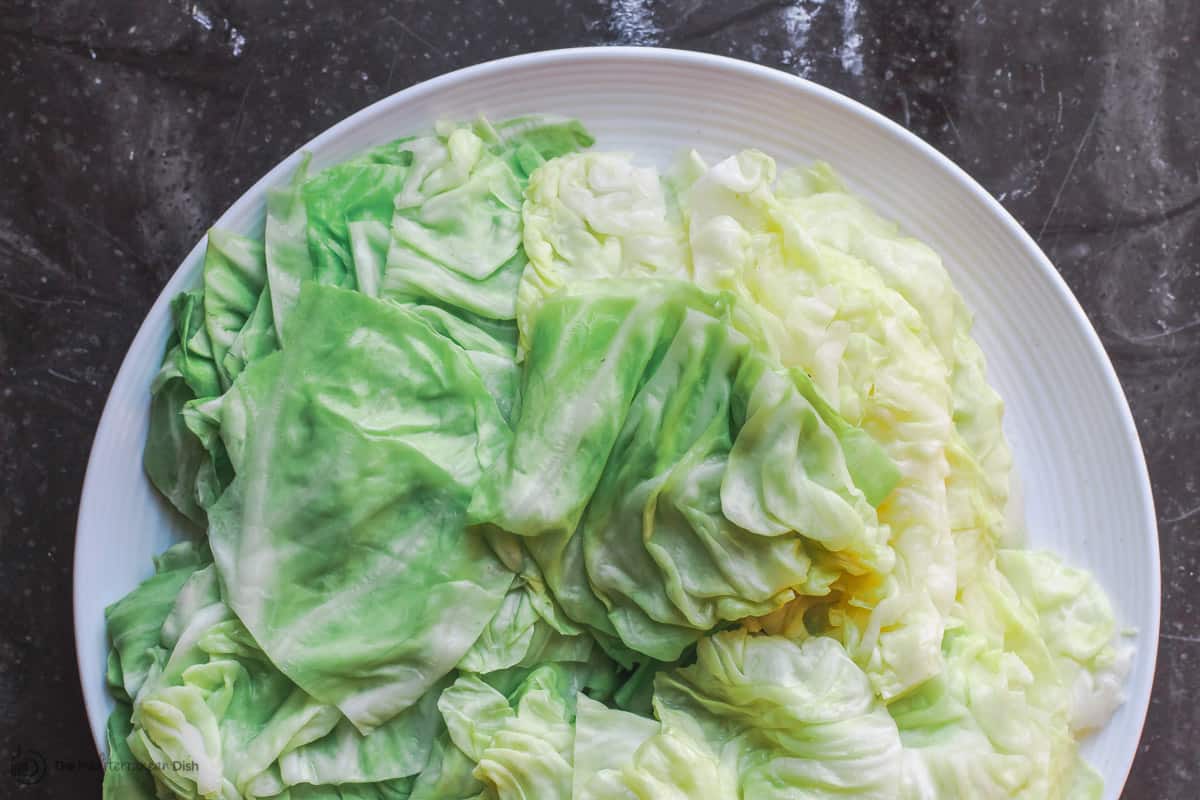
[(398, 424)]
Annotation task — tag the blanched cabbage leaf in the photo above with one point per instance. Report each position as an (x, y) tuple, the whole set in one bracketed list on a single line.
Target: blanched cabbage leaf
[(215, 719), (798, 719), (456, 231), (399, 426), (176, 461), (664, 476), (530, 754), (218, 330), (519, 636), (235, 275), (594, 215), (755, 716), (867, 349), (135, 621), (360, 191), (1032, 661), (518, 746), (124, 776), (619, 755), (1076, 622)]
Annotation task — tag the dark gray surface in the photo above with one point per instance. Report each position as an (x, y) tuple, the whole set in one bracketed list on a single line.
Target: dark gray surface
[(129, 126)]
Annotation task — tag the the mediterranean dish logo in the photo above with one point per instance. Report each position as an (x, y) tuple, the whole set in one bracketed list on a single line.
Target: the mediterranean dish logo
[(29, 767)]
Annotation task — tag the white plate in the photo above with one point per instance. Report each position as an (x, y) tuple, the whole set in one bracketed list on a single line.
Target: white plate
[(1076, 448)]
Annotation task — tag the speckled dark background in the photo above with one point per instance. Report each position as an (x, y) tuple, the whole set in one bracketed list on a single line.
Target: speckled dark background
[(128, 126)]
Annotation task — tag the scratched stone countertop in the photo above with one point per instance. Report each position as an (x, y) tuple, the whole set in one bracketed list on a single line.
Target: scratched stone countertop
[(130, 125)]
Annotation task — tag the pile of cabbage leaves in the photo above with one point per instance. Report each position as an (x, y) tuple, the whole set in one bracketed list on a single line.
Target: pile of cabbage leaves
[(521, 471)]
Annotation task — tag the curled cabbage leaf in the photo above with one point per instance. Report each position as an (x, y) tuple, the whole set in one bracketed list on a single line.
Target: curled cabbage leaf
[(664, 476)]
